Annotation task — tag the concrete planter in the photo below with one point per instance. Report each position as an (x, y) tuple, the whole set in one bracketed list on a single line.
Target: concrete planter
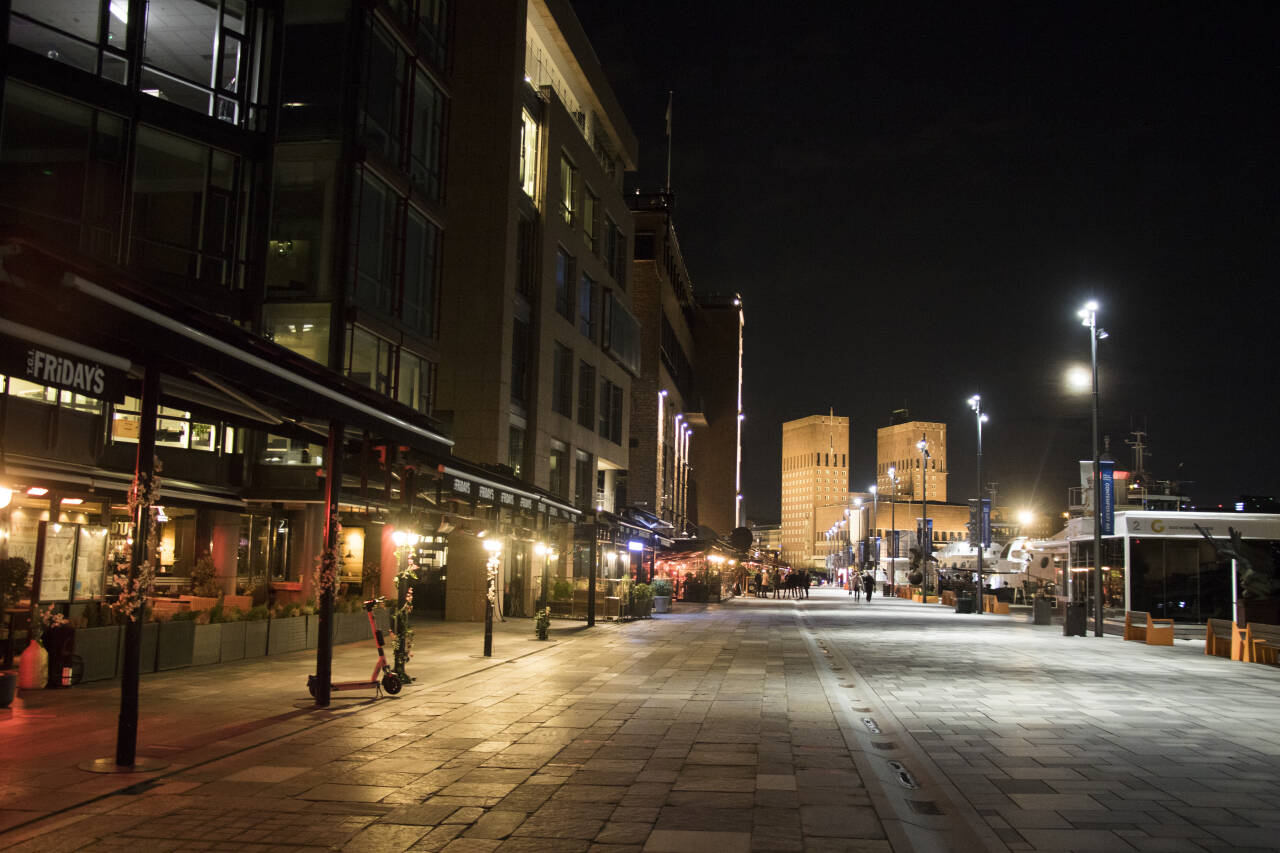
[(313, 629), (208, 645), (99, 648), (232, 641), (662, 604), (287, 635), (176, 644), (147, 660), (255, 638)]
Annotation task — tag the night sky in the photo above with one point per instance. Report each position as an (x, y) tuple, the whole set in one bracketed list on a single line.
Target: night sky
[(915, 199)]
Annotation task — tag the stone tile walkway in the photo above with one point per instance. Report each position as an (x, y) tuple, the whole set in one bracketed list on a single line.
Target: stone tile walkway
[(757, 725)]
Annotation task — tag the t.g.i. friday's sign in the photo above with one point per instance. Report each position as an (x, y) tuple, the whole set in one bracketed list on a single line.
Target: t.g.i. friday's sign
[(43, 366)]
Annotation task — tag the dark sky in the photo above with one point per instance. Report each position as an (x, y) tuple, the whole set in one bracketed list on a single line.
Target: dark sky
[(915, 199)]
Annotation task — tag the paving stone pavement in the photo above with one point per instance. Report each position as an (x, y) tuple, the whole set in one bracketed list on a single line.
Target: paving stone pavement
[(756, 725), (1070, 743)]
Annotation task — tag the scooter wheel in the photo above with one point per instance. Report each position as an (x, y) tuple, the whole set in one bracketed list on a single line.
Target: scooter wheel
[(311, 686), (391, 683)]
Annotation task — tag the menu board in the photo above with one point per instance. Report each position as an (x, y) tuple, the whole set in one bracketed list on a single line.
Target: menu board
[(91, 561), (59, 561)]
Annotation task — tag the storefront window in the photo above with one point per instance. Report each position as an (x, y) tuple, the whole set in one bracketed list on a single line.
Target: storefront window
[(174, 427), (263, 552), (282, 450)]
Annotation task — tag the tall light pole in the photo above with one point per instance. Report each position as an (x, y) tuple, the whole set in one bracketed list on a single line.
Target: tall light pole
[(1089, 318), (893, 522), (875, 519), (926, 535), (975, 403)]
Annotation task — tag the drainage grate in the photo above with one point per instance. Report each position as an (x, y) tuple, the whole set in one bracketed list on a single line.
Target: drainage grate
[(905, 777), (871, 725)]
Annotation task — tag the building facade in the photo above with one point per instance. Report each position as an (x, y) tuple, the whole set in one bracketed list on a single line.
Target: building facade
[(665, 406), (897, 448), (538, 329), (815, 485), (717, 449)]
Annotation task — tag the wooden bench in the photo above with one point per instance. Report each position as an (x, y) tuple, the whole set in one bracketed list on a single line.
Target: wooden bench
[(1138, 625), (1262, 642), (992, 604), (1224, 639)]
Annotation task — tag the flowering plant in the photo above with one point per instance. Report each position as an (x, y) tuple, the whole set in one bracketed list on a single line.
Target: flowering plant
[(329, 563), (134, 589), (403, 612)]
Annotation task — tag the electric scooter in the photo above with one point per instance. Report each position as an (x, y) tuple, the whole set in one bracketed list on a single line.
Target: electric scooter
[(390, 682)]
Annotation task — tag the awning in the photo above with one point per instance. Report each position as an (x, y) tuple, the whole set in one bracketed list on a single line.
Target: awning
[(114, 484)]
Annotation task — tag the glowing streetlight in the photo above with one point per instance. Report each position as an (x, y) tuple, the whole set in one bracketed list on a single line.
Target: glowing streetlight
[(975, 403), (494, 546), (1089, 319)]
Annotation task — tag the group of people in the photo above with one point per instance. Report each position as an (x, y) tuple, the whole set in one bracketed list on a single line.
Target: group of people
[(857, 584), (792, 584)]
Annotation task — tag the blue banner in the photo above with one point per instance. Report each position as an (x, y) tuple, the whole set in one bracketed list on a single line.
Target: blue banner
[(1107, 511), (894, 544), (986, 522)]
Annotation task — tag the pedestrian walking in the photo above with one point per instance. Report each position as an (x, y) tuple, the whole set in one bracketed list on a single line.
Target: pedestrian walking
[(855, 583), (868, 584)]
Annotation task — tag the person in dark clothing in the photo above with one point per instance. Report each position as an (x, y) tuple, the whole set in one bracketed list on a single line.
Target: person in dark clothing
[(868, 584)]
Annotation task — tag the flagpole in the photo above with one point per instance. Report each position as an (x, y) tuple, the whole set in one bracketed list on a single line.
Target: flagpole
[(669, 98)]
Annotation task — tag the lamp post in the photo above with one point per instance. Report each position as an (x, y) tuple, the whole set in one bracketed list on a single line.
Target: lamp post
[(875, 519), (404, 541), (893, 522), (926, 535), (494, 547), (1089, 319), (975, 403)]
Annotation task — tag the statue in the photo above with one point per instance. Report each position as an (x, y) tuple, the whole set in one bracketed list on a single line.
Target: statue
[(1257, 569), (919, 560)]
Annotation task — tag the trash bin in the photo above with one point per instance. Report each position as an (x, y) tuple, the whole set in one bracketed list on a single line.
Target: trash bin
[(1074, 625), (966, 601), (1041, 612)]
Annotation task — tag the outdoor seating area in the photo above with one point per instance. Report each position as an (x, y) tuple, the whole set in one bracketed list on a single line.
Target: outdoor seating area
[(1262, 642)]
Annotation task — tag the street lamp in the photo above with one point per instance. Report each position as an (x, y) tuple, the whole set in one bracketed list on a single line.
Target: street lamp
[(875, 519), (975, 403), (1089, 319), (926, 534), (405, 541), (893, 522), (494, 547)]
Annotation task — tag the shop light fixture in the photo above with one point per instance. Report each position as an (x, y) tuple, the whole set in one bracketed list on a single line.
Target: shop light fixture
[(540, 549), (493, 545), (73, 501), (635, 545), (37, 491), (6, 495)]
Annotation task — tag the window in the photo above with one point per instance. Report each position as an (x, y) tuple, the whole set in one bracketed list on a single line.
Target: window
[(370, 360), (185, 209), (520, 344), (202, 64), (587, 291), (377, 226), (584, 480), (529, 155), (76, 40), (48, 394), (527, 257), (384, 84), (174, 427), (421, 270), (428, 135), (590, 203), (615, 252), (586, 395), (432, 15), (299, 326), (622, 339), (564, 284), (610, 412), (71, 192), (562, 381), (568, 190), (558, 460), (416, 383), (299, 241), (515, 449)]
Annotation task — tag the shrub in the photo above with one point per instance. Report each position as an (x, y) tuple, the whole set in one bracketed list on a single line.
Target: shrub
[(204, 578), (257, 613), (13, 581), (235, 614), (562, 589), (185, 616), (662, 586), (641, 595)]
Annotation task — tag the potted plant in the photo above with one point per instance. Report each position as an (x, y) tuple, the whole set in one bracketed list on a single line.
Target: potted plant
[(176, 641), (257, 625), (662, 591), (98, 642), (641, 600), (561, 597), (542, 623)]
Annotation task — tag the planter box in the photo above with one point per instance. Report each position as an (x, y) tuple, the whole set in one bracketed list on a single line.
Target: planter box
[(99, 648), (208, 645), (147, 659), (176, 643), (662, 604), (351, 628), (232, 641), (255, 638), (313, 629), (287, 635)]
